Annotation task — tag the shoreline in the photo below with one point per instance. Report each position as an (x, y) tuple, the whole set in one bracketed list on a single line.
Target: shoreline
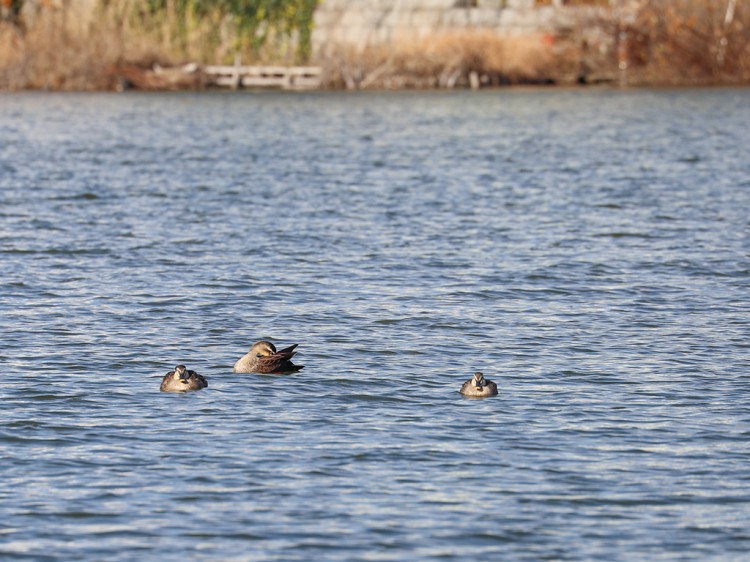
[(515, 88), (151, 52), (132, 77)]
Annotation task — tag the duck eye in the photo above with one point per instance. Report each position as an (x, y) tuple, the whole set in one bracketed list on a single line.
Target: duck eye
[(259, 355)]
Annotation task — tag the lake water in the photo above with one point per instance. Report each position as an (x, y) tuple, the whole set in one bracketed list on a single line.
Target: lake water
[(587, 250)]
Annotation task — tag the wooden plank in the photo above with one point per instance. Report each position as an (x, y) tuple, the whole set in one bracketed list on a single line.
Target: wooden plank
[(264, 82), (285, 77), (229, 69)]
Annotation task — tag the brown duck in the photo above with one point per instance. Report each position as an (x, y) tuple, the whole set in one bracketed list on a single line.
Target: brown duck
[(478, 386), (263, 358), (182, 380)]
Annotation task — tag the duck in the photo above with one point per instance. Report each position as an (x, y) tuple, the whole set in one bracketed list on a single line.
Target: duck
[(263, 358), (182, 379), (478, 386)]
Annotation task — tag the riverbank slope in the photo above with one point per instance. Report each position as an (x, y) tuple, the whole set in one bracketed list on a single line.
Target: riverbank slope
[(385, 44)]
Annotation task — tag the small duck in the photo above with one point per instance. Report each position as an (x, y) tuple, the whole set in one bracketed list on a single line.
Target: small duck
[(182, 380), (478, 386), (263, 358)]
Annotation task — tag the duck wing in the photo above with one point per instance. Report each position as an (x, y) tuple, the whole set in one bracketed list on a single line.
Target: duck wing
[(166, 380), (279, 362), (287, 351), (200, 379)]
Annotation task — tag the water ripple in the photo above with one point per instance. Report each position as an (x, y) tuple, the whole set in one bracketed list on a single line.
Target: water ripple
[(596, 268)]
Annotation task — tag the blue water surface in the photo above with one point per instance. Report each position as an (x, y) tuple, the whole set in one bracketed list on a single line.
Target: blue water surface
[(588, 250)]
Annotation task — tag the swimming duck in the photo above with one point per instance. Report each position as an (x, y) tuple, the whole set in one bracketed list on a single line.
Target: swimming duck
[(182, 380), (263, 358), (478, 386)]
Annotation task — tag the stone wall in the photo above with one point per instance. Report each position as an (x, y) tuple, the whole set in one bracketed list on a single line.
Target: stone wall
[(361, 23)]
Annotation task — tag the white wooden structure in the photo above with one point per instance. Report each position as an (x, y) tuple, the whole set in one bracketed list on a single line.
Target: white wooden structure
[(280, 77)]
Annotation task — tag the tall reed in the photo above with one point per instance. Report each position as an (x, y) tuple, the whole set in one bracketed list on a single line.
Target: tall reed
[(691, 41), (660, 42), (46, 48), (446, 59)]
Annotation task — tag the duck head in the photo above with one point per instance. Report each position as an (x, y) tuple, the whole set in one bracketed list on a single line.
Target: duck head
[(263, 349), (181, 374), (478, 380)]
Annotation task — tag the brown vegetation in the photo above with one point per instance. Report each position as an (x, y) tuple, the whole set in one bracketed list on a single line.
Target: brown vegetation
[(49, 56), (445, 60), (691, 42), (50, 48), (678, 42)]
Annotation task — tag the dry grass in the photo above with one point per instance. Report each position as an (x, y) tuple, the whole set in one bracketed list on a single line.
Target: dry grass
[(444, 60), (668, 42), (50, 53), (48, 56), (692, 42)]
